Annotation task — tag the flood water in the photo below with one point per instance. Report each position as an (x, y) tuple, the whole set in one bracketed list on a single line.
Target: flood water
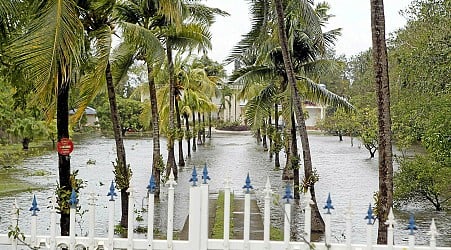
[(345, 172)]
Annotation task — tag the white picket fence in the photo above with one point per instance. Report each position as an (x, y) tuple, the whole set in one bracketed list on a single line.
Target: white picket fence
[(198, 225)]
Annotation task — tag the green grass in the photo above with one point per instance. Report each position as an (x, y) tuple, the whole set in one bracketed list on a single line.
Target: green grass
[(218, 227)]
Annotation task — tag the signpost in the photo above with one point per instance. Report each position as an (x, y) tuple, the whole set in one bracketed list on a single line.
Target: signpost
[(65, 146)]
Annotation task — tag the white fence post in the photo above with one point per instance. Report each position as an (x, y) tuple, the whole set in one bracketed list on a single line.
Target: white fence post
[(226, 214), (15, 222), (92, 220), (267, 218), (204, 210), (34, 208), (247, 212), (287, 216), (412, 227), (328, 206), (52, 241), (433, 233), (111, 193), (169, 232), (390, 227), (348, 216), (73, 210), (131, 217), (150, 211), (369, 228), (194, 211), (308, 215)]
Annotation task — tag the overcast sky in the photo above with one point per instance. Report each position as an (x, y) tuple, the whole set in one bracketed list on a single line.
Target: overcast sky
[(353, 16)]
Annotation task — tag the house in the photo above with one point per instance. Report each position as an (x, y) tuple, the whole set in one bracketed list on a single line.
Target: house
[(89, 118)]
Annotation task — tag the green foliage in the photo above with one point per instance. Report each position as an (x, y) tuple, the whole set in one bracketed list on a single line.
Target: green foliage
[(423, 178), (122, 175), (63, 194), (129, 114)]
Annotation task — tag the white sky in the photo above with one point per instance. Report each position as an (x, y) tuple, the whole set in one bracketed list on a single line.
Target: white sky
[(353, 16)]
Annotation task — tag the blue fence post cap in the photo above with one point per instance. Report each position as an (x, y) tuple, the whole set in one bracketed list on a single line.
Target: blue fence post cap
[(73, 198), (205, 176), (370, 217), (411, 225), (328, 205), (34, 206), (194, 177), (151, 186), (287, 195), (112, 192), (248, 185)]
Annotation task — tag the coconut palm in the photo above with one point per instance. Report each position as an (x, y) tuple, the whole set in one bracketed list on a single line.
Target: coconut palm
[(141, 20), (385, 194), (303, 34), (49, 55)]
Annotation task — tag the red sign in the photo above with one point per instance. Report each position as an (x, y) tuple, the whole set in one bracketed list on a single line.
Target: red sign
[(65, 146)]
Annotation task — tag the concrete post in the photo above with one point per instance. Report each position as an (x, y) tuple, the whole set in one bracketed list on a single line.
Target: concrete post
[(204, 217), (194, 217), (110, 244)]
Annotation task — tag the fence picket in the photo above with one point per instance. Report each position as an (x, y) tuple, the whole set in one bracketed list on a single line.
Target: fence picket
[(198, 221)]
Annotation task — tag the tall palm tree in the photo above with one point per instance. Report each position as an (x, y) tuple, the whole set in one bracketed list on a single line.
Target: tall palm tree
[(301, 17), (49, 55), (140, 22), (187, 28), (385, 194)]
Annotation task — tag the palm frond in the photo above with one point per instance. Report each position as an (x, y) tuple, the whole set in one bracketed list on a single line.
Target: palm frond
[(51, 47), (144, 39), (92, 82), (316, 93)]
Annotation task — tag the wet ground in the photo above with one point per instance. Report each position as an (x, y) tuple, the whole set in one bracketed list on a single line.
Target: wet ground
[(345, 172)]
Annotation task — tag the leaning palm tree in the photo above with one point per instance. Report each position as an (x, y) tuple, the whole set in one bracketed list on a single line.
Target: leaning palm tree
[(49, 55), (302, 17), (385, 194), (140, 21)]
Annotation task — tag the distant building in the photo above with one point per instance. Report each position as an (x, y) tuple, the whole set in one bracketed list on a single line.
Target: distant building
[(90, 114)]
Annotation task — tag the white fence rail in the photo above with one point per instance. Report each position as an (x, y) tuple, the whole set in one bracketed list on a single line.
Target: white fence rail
[(198, 225)]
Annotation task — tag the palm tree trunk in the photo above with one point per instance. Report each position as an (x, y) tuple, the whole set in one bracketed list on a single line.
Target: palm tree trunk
[(209, 125), (294, 159), (385, 195), (194, 133), (156, 155), (179, 128), (317, 220), (264, 141), (171, 165), (122, 182), (276, 122), (188, 138), (203, 127), (62, 123), (199, 131), (270, 139)]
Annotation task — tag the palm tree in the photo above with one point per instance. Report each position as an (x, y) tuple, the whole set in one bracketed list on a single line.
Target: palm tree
[(49, 55), (140, 21), (304, 25), (385, 194)]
